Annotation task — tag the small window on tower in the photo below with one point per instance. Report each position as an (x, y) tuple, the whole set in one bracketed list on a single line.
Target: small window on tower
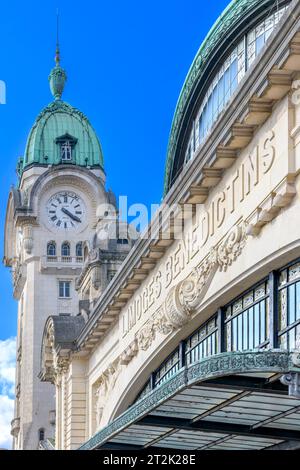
[(64, 289), (66, 151), (41, 434), (66, 146), (51, 249), (79, 251), (65, 249)]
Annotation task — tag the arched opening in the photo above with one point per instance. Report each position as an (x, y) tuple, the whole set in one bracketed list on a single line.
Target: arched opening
[(51, 249), (66, 250), (79, 251)]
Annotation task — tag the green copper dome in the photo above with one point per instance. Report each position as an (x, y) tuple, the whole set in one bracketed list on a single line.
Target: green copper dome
[(61, 133)]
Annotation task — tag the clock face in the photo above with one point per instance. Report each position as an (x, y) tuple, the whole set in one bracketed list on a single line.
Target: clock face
[(66, 211)]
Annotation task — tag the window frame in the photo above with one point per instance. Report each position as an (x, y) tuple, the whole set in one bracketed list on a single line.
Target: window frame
[(67, 245), (64, 287)]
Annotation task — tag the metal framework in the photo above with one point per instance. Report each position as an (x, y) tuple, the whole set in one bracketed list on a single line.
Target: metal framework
[(230, 400), (210, 394)]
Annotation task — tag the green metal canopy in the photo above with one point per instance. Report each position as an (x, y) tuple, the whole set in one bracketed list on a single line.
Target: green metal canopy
[(227, 401)]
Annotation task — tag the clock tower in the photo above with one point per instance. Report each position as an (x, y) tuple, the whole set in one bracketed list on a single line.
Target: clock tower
[(51, 216)]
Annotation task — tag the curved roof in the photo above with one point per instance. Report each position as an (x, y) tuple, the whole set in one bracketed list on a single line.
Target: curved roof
[(231, 22), (57, 120), (57, 123)]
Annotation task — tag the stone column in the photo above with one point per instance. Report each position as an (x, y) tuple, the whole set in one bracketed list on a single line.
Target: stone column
[(76, 405)]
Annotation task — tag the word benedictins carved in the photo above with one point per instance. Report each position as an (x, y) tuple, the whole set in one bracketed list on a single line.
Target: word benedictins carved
[(184, 298)]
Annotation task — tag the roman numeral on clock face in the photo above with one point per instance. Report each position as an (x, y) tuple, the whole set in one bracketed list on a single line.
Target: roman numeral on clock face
[(65, 211)]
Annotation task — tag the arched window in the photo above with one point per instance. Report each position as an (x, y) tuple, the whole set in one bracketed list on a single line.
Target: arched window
[(51, 249), (79, 253), (41, 434), (65, 249)]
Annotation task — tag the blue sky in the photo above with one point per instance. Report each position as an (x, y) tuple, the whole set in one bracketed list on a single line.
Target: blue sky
[(126, 63)]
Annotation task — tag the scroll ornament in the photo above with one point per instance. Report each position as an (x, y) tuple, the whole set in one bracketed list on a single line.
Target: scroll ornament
[(183, 299)]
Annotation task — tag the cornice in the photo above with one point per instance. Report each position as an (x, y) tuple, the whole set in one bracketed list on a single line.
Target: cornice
[(141, 258)]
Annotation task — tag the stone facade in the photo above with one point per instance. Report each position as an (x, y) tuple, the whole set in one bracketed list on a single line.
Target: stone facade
[(51, 239), (243, 191), (239, 199)]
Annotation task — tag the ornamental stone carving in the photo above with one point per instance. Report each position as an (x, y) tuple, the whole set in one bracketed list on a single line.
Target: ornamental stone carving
[(184, 298), (104, 386), (146, 336), (129, 353), (28, 239), (161, 323), (231, 248)]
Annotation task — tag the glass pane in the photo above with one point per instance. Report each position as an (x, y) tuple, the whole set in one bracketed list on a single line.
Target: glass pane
[(233, 75), (61, 289), (298, 301), (234, 335), (262, 322), (227, 84), (246, 330), (291, 304), (256, 326), (221, 93), (67, 289), (209, 114), (251, 329), (209, 346), (215, 103), (260, 41), (240, 332)]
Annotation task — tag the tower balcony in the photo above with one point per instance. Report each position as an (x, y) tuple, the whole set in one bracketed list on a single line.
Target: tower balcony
[(63, 264)]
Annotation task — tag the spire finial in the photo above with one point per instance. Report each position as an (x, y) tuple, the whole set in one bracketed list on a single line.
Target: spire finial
[(57, 76), (57, 52)]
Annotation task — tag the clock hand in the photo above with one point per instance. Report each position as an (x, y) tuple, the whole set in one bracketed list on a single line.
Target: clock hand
[(74, 217)]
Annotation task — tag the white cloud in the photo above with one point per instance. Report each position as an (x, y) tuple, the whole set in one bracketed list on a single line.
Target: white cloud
[(6, 415), (7, 380)]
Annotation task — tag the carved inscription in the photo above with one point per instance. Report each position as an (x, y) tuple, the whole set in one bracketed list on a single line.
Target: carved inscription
[(185, 296)]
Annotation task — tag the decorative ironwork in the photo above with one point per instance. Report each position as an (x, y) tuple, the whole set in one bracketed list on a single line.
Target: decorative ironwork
[(203, 343), (289, 306), (247, 320), (212, 367), (247, 325), (168, 368)]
